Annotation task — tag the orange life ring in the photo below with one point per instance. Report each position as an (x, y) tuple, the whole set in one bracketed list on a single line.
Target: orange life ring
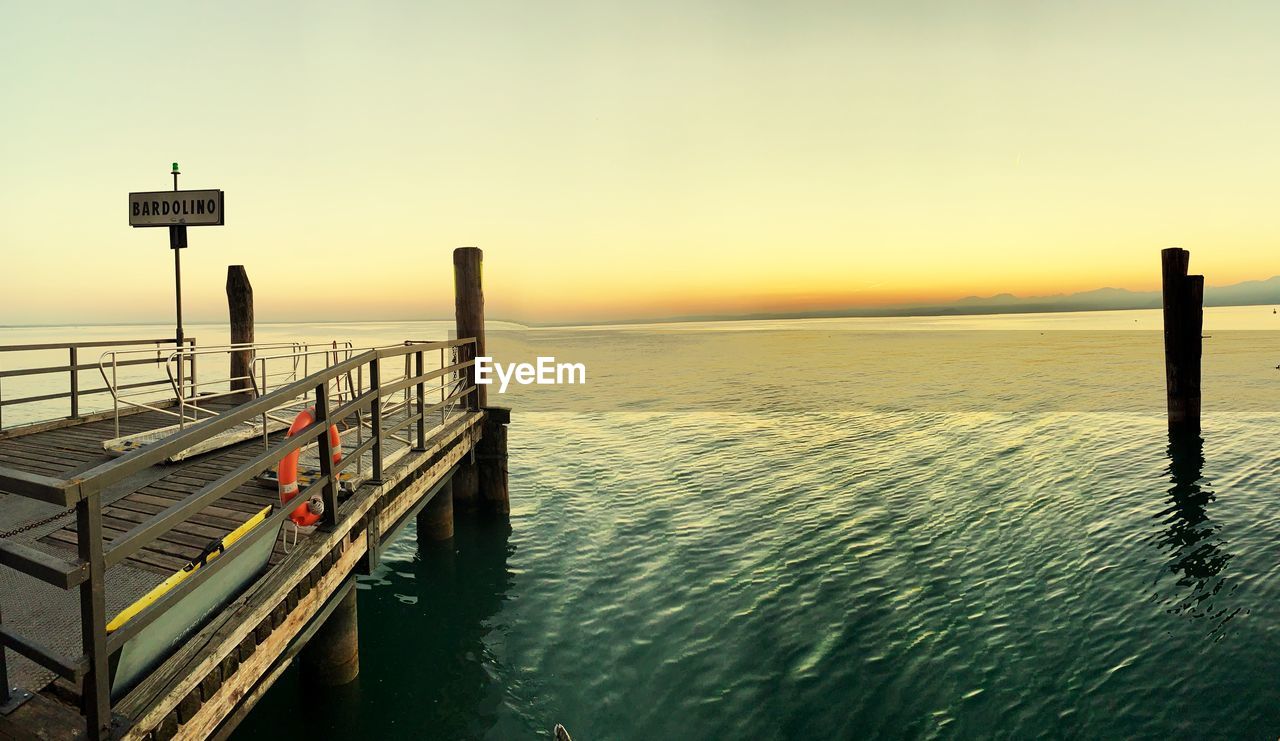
[(287, 472), (309, 512)]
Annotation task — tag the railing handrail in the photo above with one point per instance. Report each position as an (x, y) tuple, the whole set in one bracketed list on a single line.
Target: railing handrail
[(43, 370), (94, 479), (186, 350), (67, 491), (73, 368), (50, 489), (94, 343)]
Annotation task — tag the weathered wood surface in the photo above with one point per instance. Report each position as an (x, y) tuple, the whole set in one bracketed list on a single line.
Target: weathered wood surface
[(435, 521), (332, 659), (220, 705), (469, 312), (393, 511), (257, 618), (42, 718), (240, 307), (491, 462), (218, 664), (62, 452), (1183, 344)]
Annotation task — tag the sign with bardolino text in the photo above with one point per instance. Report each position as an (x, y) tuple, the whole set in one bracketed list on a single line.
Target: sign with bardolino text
[(176, 208)]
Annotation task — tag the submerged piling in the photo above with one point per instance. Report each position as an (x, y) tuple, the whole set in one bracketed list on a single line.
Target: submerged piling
[(1183, 324), (435, 520), (332, 656), (491, 461)]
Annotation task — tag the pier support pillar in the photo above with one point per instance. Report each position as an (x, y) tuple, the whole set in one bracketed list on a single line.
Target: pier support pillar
[(240, 307), (435, 520), (491, 460), (1183, 324), (466, 485), (332, 656), (468, 297)]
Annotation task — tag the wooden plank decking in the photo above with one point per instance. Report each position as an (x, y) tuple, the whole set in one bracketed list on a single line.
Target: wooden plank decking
[(65, 451), (306, 577)]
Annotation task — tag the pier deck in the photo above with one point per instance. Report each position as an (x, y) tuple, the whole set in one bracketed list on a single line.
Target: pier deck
[(108, 528)]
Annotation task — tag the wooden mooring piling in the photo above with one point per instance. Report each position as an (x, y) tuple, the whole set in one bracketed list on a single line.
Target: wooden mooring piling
[(418, 442), (240, 315), (1183, 326)]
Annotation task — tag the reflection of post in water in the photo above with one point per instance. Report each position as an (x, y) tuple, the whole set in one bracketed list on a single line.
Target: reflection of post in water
[(1193, 543), (462, 585), (430, 653)]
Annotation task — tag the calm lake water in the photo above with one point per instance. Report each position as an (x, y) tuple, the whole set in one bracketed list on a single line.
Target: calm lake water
[(920, 528)]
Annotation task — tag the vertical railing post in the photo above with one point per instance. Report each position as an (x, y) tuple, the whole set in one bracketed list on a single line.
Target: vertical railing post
[(75, 384), (329, 487), (375, 417), (191, 342), (266, 436), (182, 382), (115, 393), (95, 693), (477, 396), (408, 390), (357, 392), (422, 402)]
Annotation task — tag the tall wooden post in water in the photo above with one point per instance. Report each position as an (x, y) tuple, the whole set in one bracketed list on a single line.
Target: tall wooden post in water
[(483, 482), (1183, 323), (468, 301), (240, 307)]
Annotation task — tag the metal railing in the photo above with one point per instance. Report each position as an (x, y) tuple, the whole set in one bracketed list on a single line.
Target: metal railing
[(406, 393), (74, 393), (180, 375), (270, 366)]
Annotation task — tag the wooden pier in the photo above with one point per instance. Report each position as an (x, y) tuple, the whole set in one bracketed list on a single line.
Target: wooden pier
[(88, 532)]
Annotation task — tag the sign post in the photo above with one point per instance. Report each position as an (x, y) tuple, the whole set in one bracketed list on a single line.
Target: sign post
[(177, 243), (176, 209)]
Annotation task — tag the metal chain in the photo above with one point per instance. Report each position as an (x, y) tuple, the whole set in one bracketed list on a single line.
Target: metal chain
[(37, 523)]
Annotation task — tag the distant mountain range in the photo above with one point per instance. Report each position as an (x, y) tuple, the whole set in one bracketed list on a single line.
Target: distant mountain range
[(1249, 293)]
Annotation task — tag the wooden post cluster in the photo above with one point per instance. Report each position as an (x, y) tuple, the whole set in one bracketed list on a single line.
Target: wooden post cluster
[(1183, 324), (240, 307)]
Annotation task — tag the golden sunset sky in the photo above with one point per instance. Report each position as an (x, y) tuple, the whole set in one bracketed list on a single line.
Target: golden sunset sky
[(632, 160)]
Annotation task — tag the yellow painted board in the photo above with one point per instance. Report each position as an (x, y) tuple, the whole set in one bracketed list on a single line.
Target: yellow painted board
[(179, 576)]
